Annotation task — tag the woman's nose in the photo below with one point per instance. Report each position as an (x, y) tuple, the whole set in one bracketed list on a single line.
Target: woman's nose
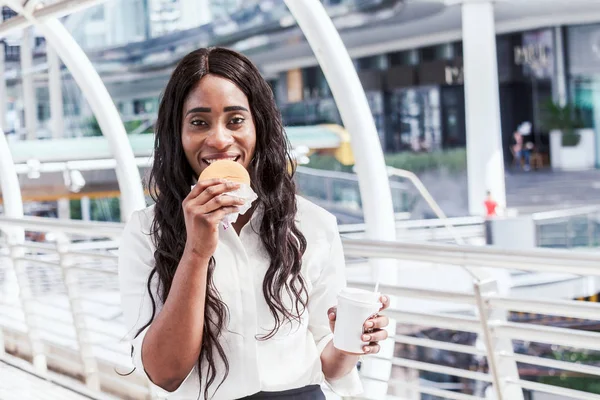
[(219, 138)]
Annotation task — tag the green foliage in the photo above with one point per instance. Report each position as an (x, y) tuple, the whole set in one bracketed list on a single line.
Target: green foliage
[(570, 139), (327, 162), (75, 209), (585, 384), (452, 160), (565, 119), (130, 126), (565, 380), (93, 128), (105, 209)]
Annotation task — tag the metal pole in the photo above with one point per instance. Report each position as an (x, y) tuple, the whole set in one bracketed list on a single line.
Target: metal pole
[(86, 352), (414, 179), (56, 95), (16, 281), (29, 103), (3, 93), (503, 369)]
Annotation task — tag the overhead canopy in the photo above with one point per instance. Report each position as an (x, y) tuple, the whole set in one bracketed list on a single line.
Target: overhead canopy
[(319, 137)]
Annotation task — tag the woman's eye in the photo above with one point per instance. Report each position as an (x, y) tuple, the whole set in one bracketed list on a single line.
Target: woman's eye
[(237, 120), (198, 122)]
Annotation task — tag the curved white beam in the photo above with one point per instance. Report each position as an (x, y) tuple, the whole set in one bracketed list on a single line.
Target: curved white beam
[(54, 10), (9, 182), (92, 87), (354, 109), (16, 282)]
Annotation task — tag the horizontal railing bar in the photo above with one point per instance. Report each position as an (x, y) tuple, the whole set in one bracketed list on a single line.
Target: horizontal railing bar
[(413, 225), (535, 260), (37, 246), (37, 261), (441, 369), (467, 324), (548, 334), (96, 245), (41, 224), (557, 364), (429, 294), (87, 254), (436, 344), (96, 271), (566, 308), (541, 387), (445, 394), (557, 214)]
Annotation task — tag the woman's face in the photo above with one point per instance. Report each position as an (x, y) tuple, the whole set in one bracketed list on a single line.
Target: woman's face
[(217, 124)]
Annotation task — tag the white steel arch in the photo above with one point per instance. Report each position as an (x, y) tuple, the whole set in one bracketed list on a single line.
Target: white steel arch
[(351, 101), (92, 87)]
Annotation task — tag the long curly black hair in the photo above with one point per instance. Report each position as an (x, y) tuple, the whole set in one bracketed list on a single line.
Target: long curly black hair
[(170, 180)]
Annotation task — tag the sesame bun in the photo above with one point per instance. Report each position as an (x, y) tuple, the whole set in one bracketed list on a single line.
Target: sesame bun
[(226, 169)]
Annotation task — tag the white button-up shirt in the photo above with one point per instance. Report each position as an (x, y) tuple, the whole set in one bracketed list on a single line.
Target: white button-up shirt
[(291, 359)]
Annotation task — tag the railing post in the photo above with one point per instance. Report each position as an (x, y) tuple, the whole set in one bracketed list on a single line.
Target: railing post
[(329, 191), (590, 230), (569, 230), (86, 353), (16, 263), (502, 369)]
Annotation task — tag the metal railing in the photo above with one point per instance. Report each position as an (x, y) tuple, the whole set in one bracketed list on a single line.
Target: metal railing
[(335, 190), (455, 336), (577, 227)]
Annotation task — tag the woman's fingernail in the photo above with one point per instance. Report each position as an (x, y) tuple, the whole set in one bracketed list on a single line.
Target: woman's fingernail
[(331, 316), (384, 299), (366, 338), (367, 349), (369, 324)]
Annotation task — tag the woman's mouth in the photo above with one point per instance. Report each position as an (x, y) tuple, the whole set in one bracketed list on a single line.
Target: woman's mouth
[(211, 160)]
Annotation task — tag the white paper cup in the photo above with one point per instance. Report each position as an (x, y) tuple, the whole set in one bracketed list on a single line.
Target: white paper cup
[(354, 307)]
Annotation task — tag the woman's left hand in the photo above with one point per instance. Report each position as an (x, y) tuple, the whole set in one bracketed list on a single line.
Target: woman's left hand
[(373, 328)]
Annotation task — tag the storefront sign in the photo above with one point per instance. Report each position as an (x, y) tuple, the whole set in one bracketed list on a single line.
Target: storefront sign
[(536, 55), (455, 75), (533, 55)]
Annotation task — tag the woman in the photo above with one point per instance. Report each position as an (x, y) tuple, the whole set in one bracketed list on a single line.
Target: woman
[(239, 312)]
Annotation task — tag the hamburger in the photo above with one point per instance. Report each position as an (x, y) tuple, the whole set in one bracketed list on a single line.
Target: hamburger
[(226, 169)]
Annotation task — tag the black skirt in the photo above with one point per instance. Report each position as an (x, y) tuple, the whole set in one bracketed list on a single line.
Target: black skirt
[(311, 392)]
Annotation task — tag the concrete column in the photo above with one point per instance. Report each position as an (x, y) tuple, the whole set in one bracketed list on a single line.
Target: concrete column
[(55, 89), (29, 103), (64, 208), (485, 163), (3, 95), (86, 209), (560, 89)]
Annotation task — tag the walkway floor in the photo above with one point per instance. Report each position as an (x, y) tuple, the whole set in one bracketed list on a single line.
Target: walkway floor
[(17, 384), (549, 190)]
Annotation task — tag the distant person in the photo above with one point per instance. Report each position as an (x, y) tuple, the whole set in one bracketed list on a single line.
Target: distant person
[(491, 207), (520, 149)]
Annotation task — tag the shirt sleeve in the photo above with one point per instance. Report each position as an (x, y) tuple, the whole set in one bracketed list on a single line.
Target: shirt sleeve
[(323, 296), (136, 261)]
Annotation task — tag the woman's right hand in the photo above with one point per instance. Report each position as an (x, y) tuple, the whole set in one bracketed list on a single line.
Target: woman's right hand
[(203, 210)]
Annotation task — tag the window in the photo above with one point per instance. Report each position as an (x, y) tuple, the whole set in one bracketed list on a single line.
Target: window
[(7, 13)]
